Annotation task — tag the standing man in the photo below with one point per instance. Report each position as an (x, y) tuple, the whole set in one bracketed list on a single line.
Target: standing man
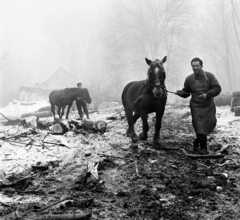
[(81, 103), (203, 87), (79, 85)]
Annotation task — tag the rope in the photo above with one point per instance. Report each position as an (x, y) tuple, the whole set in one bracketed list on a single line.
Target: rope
[(185, 93), (170, 91), (193, 156)]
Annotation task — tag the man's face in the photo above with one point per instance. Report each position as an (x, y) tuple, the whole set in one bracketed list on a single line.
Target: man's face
[(196, 67)]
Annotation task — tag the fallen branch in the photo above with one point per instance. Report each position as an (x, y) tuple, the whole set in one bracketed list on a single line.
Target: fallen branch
[(4, 204), (194, 156), (83, 203), (136, 167), (12, 121), (67, 217)]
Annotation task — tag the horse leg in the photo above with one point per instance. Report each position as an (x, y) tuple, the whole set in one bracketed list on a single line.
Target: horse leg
[(63, 108), (156, 137), (85, 110), (135, 117), (130, 131), (145, 127), (79, 108), (69, 106), (53, 111), (59, 111)]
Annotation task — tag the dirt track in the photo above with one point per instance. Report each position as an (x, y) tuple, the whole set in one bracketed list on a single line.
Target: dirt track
[(145, 183)]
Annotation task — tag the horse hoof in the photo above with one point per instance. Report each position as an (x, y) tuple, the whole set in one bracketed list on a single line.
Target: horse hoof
[(130, 134), (135, 139), (157, 142), (142, 136)]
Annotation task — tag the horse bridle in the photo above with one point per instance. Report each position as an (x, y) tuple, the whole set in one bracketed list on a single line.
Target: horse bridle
[(162, 85)]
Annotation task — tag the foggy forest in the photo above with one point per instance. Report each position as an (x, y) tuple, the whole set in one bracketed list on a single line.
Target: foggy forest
[(128, 146), (103, 44)]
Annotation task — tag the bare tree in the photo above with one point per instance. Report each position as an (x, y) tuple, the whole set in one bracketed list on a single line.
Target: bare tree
[(137, 29), (4, 54), (221, 41), (73, 36)]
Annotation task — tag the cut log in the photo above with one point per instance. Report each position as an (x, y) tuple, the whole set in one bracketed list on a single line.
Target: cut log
[(235, 101), (57, 128), (236, 94), (237, 111), (43, 109), (61, 127), (101, 126), (41, 114), (67, 217)]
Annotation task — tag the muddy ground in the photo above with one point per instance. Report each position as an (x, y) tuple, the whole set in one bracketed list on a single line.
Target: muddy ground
[(140, 182)]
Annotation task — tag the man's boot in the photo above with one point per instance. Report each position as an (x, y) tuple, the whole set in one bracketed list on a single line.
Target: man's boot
[(195, 145), (203, 144)]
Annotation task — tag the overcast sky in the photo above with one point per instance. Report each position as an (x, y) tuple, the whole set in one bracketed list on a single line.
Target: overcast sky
[(25, 27), (32, 34), (24, 31)]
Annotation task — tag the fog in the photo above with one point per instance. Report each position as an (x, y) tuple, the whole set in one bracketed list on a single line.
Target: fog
[(103, 43)]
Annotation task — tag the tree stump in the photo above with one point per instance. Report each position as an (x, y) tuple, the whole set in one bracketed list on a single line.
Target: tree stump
[(237, 111), (236, 94), (235, 102)]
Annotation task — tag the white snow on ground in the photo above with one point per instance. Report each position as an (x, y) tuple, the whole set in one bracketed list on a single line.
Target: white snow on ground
[(17, 157)]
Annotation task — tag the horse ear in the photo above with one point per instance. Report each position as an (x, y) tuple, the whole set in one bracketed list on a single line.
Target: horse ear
[(164, 59), (148, 61)]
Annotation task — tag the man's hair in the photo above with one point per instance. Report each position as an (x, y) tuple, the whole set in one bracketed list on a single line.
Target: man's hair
[(79, 84), (197, 59)]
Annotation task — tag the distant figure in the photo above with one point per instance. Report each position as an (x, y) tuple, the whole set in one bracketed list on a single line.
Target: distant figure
[(81, 103), (65, 97), (203, 86), (79, 85)]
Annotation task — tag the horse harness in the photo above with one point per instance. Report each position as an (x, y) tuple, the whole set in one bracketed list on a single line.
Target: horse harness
[(144, 96)]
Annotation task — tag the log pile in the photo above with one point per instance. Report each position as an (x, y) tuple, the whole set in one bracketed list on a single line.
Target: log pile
[(59, 126), (62, 126), (235, 103)]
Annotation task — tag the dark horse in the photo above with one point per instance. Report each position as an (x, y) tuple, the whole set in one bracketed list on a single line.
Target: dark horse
[(63, 98), (144, 97), (81, 103)]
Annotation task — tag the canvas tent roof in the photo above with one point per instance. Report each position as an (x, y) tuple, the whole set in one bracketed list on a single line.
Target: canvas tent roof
[(60, 79)]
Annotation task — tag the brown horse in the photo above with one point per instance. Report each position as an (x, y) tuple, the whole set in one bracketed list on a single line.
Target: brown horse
[(63, 98), (144, 97)]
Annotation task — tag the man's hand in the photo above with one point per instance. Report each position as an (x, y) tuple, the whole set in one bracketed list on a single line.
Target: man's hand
[(179, 93), (203, 96)]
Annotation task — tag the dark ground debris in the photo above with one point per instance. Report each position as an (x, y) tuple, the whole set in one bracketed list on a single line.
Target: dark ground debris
[(149, 183)]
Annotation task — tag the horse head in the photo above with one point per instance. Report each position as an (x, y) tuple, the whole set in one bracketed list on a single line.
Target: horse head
[(156, 76), (87, 96)]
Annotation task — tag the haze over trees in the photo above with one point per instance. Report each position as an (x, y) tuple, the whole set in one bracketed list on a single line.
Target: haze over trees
[(220, 40), (137, 29), (104, 43)]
